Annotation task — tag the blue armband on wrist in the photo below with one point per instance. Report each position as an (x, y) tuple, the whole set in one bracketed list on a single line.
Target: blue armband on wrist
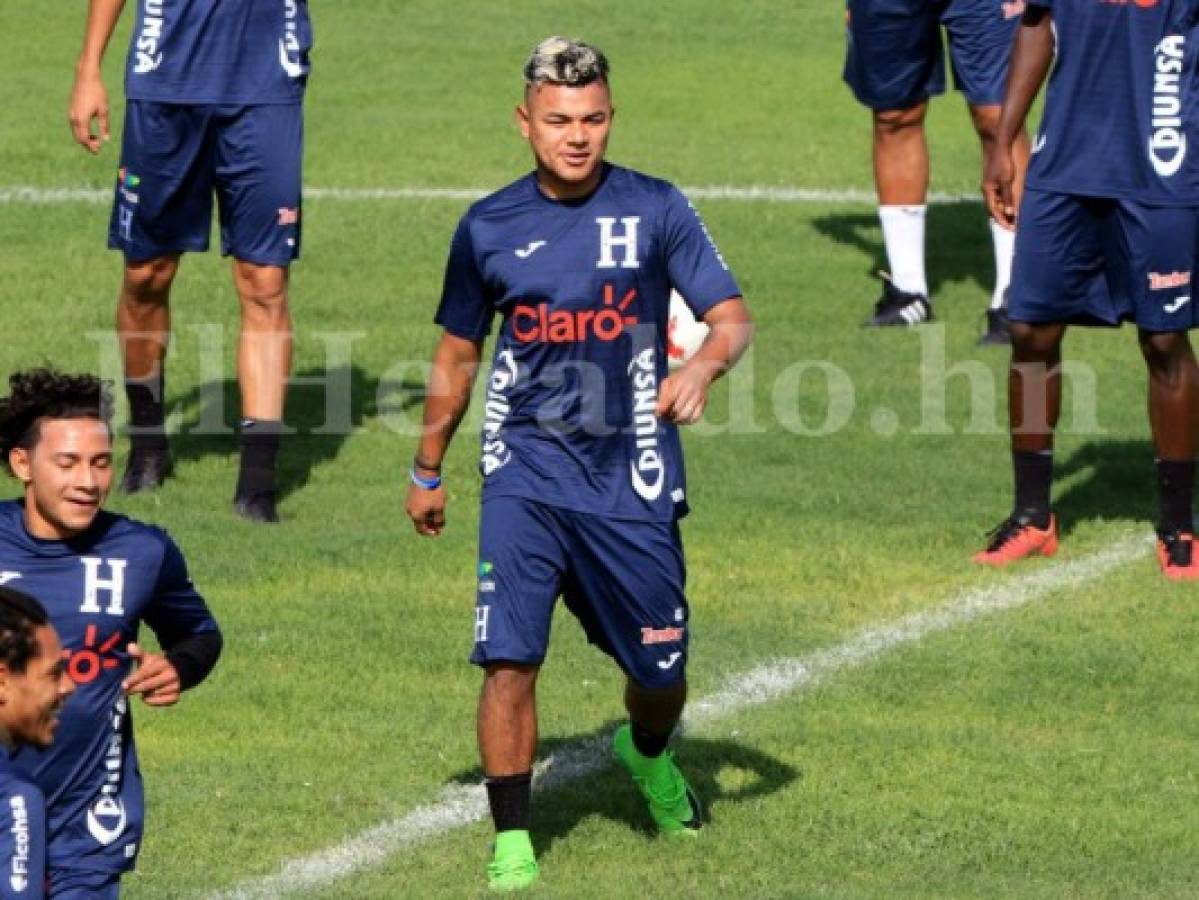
[(429, 484)]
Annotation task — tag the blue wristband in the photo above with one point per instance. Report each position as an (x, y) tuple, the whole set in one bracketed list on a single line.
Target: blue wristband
[(429, 484)]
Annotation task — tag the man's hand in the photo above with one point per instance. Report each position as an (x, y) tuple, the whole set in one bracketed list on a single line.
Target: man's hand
[(89, 101), (154, 678), (684, 395), (426, 508), (998, 177)]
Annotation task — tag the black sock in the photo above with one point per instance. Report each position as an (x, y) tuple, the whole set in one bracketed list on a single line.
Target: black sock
[(259, 441), (1034, 473), (1175, 485), (508, 796), (647, 743), (146, 411)]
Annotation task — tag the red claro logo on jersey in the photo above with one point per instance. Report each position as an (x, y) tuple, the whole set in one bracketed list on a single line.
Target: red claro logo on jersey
[(540, 324), (85, 664), (1143, 4)]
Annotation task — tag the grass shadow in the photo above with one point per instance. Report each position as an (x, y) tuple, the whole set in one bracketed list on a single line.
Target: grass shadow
[(719, 771), (957, 243), (1109, 480), (324, 407)]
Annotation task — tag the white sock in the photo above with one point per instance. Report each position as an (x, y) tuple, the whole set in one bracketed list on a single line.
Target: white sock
[(1004, 242), (903, 235)]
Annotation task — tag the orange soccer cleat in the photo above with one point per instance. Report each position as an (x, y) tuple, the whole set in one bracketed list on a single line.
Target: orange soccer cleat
[(1017, 538), (1176, 553)]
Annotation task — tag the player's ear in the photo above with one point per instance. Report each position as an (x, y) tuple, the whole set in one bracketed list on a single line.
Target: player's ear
[(522, 119), (19, 462)]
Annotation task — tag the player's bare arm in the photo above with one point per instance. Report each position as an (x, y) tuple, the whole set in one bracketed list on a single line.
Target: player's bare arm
[(455, 364), (89, 99), (1032, 55), (684, 395)]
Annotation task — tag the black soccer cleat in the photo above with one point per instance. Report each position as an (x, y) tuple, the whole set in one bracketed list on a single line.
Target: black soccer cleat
[(896, 307), (257, 507), (999, 328), (146, 469)]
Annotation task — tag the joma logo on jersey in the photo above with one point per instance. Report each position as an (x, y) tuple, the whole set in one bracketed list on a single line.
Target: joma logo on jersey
[(1167, 143), (574, 326), (147, 56)]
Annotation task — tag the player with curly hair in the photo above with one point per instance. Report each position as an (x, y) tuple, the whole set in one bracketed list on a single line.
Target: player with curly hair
[(100, 576), (33, 687)]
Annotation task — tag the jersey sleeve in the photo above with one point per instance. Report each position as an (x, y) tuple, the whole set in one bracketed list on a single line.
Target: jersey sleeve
[(22, 843), (177, 610), (465, 310), (696, 268)]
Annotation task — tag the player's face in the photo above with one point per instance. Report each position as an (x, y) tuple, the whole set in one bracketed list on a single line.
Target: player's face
[(567, 127), (33, 698), (67, 474)]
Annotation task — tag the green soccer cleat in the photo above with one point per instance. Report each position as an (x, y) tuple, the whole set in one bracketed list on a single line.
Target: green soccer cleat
[(514, 867), (672, 804)]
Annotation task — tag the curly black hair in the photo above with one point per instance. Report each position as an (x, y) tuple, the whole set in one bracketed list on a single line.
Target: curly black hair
[(20, 617), (48, 394)]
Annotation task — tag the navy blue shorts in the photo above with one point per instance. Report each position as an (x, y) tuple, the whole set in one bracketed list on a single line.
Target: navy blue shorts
[(896, 60), (1088, 261), (70, 884), (622, 580), (174, 157)]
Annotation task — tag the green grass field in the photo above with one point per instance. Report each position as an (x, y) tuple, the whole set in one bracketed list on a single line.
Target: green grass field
[(1043, 752)]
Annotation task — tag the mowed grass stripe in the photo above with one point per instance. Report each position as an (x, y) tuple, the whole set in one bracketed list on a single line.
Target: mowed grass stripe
[(40, 196), (460, 805)]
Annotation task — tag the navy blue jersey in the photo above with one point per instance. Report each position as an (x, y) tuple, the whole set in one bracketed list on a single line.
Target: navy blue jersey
[(1120, 116), (241, 52), (22, 835), (98, 588), (583, 288)]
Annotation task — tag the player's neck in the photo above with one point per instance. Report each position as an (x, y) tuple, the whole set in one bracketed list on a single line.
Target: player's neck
[(44, 529), (556, 189)]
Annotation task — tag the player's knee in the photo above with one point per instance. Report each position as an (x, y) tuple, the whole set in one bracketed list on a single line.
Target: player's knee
[(149, 281), (898, 123), (511, 681), (1166, 353), (1035, 343), (262, 289)]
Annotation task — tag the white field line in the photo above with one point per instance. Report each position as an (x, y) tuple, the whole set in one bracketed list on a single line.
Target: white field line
[(40, 196), (459, 805)]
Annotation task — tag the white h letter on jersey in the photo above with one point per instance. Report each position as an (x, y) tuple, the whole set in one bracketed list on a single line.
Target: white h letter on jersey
[(115, 585), (609, 241)]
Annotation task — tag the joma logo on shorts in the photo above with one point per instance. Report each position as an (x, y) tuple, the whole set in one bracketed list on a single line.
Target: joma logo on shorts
[(147, 56)]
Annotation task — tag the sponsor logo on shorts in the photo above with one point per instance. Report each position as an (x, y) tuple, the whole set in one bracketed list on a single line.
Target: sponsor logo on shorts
[(486, 583), (289, 215), (147, 57), (18, 868), (1012, 8), (1159, 281), (1167, 142), (660, 635), (1176, 304), (669, 661), (126, 183)]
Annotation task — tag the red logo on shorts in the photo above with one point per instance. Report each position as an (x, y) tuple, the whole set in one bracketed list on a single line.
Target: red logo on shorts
[(661, 635), (1164, 282), (289, 215)]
